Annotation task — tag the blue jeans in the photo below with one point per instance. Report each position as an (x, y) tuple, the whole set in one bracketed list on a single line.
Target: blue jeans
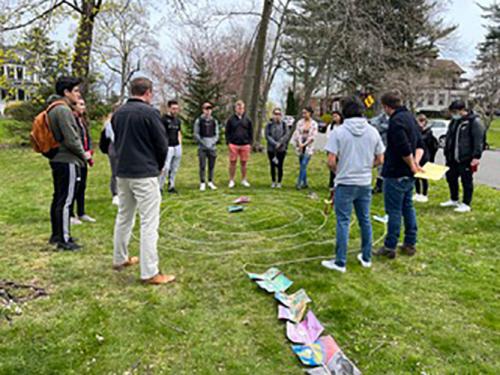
[(345, 197), (398, 193), (303, 161)]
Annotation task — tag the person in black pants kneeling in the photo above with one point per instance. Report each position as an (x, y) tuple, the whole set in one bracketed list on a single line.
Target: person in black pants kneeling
[(277, 144)]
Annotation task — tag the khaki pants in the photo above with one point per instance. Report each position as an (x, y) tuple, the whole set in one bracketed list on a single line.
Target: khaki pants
[(142, 194)]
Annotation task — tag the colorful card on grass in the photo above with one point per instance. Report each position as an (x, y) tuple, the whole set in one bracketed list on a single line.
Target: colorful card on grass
[(294, 314), (233, 209), (242, 200), (293, 299), (317, 354), (270, 274), (279, 284), (305, 332), (338, 365)]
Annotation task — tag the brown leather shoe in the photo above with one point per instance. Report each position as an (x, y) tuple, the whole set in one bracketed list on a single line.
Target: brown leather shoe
[(159, 279), (409, 250), (386, 252), (132, 261)]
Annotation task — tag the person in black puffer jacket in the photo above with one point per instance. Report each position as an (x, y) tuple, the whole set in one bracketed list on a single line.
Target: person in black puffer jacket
[(463, 150)]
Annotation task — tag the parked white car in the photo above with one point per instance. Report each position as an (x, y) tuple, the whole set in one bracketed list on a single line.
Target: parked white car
[(439, 128)]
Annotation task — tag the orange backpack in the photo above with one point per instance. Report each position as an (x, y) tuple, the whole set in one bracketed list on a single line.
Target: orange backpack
[(41, 136)]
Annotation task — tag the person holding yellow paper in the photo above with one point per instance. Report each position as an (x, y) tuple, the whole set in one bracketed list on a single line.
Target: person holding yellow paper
[(402, 157)]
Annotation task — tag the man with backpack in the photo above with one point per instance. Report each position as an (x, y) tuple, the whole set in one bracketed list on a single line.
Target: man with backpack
[(462, 150), (65, 150)]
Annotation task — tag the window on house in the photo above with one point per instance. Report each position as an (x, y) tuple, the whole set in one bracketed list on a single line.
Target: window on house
[(430, 99), (2, 70), (20, 73), (442, 99), (21, 95), (10, 72), (3, 94)]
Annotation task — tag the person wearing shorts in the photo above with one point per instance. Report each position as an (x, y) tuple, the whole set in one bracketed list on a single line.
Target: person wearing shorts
[(239, 137)]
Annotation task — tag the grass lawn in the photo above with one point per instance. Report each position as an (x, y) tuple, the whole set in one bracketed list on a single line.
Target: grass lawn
[(435, 313), (494, 134)]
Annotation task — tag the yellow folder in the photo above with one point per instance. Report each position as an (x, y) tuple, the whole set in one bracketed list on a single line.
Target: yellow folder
[(432, 171)]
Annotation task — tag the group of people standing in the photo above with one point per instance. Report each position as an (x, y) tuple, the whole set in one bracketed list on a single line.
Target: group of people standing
[(145, 150), (355, 147)]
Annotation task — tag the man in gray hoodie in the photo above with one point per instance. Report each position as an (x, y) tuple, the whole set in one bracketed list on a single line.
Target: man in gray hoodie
[(206, 134), (353, 150), (69, 158)]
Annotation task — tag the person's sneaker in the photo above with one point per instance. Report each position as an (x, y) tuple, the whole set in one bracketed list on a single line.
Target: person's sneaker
[(203, 186), (131, 261), (212, 186), (68, 246), (159, 279), (381, 219), (245, 183), (409, 250), (273, 185), (384, 251), (449, 203), (415, 197), (278, 185), (424, 199), (171, 190), (115, 201), (75, 221), (363, 262), (87, 219), (331, 265), (462, 208), (231, 184)]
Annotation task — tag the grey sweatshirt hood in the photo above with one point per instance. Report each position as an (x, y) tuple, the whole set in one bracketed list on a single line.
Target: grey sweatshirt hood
[(356, 125)]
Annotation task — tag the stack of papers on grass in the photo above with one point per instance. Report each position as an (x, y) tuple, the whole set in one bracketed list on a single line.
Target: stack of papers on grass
[(293, 299), (242, 200), (317, 354), (432, 171), (293, 313), (232, 209), (338, 365), (305, 332), (270, 274), (279, 284)]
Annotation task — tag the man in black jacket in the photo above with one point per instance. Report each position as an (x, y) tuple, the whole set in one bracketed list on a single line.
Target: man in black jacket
[(141, 148), (239, 137), (402, 157), (462, 150), (172, 125)]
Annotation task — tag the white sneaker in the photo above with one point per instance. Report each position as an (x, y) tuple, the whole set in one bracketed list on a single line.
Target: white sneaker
[(273, 185), (362, 262), (212, 186), (87, 218), (245, 183), (381, 219), (462, 208), (231, 184), (450, 203), (75, 221), (330, 264), (424, 199), (115, 200), (203, 186), (415, 197), (278, 186)]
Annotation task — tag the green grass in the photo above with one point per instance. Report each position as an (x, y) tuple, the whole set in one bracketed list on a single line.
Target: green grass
[(437, 312), (493, 135)]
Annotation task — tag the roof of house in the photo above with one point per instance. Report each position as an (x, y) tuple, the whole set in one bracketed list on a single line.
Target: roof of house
[(449, 65)]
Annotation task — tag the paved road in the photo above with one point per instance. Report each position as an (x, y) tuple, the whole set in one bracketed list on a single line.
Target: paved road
[(489, 169)]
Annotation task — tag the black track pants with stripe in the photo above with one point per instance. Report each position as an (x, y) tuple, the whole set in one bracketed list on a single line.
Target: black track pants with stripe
[(64, 176)]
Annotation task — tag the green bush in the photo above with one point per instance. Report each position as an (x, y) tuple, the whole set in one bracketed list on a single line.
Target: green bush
[(326, 118), (23, 111), (14, 133)]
